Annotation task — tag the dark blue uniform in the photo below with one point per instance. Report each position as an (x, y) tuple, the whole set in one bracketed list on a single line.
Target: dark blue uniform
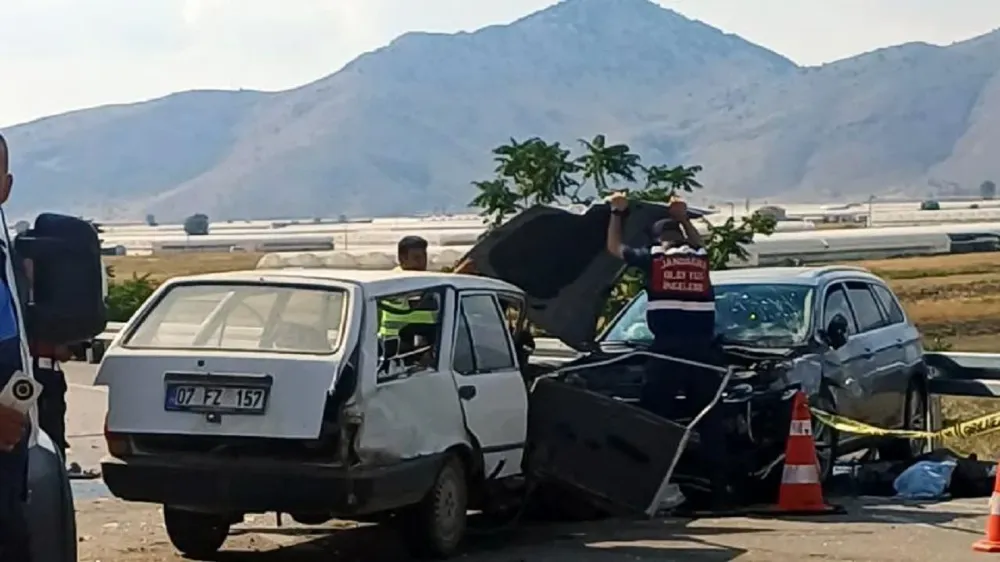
[(14, 538), (681, 315)]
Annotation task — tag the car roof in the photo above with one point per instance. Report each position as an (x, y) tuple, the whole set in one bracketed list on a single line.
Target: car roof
[(375, 282), (812, 276)]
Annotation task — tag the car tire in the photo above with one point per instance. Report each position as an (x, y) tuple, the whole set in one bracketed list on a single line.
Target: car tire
[(826, 438), (434, 528), (196, 535), (915, 418)]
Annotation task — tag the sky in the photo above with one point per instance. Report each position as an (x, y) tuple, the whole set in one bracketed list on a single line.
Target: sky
[(59, 55)]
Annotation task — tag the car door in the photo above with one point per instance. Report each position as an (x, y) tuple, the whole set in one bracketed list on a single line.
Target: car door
[(489, 383), (907, 350), (843, 365), (880, 352)]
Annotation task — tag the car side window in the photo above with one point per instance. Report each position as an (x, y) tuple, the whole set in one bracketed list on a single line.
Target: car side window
[(836, 303), (866, 307), (481, 334), (463, 361), (890, 305), (512, 308), (409, 329)]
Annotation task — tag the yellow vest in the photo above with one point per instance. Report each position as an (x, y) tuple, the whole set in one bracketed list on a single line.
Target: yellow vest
[(394, 314)]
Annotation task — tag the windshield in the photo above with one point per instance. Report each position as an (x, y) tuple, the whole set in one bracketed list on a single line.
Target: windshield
[(758, 314), (237, 317)]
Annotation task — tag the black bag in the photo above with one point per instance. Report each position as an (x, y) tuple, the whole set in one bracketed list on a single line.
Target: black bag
[(68, 299)]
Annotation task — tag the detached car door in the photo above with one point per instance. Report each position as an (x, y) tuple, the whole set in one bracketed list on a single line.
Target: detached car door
[(489, 383)]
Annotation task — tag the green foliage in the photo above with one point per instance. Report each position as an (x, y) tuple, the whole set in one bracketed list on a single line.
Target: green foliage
[(538, 172), (125, 297)]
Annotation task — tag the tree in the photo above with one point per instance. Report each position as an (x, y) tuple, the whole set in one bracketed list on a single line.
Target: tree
[(125, 297), (196, 225), (988, 190), (537, 172)]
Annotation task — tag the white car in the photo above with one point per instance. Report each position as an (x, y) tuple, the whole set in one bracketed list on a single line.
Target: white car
[(276, 391), (272, 391)]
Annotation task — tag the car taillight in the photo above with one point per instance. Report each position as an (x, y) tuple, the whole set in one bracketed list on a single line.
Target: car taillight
[(118, 444)]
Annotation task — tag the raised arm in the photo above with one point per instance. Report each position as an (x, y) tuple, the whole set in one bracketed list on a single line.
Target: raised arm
[(618, 203), (679, 212)]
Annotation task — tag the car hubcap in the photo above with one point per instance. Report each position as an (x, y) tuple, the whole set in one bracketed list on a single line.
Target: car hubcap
[(448, 508)]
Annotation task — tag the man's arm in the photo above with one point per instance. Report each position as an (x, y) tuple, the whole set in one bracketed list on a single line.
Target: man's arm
[(614, 242), (691, 233), (679, 212), (12, 428), (635, 257)]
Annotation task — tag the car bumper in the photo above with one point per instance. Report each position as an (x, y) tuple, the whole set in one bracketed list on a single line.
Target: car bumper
[(250, 485)]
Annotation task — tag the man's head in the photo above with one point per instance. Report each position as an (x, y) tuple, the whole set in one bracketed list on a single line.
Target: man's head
[(6, 179), (668, 232), (412, 253)]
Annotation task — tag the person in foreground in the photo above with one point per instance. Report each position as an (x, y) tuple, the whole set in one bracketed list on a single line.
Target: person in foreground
[(681, 315), (14, 430)]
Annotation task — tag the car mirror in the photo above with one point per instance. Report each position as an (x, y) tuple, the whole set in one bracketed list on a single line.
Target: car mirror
[(835, 333)]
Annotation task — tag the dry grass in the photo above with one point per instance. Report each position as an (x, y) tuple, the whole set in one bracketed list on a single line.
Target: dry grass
[(175, 265), (954, 299)]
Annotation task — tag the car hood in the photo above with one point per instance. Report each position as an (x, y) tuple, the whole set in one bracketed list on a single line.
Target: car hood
[(559, 259)]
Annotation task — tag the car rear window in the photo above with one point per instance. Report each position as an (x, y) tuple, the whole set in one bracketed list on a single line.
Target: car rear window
[(243, 317)]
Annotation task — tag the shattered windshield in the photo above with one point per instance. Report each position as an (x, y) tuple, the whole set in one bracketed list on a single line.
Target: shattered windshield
[(757, 314)]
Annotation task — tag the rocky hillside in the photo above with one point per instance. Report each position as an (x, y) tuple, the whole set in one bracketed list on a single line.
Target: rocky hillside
[(407, 127)]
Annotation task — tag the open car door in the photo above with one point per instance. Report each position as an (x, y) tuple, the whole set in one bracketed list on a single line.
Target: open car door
[(615, 453)]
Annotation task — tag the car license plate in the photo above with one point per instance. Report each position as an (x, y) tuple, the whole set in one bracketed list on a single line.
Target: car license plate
[(183, 397)]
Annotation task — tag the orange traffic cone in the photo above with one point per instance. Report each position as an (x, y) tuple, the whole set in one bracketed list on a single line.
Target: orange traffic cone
[(991, 543), (801, 491)]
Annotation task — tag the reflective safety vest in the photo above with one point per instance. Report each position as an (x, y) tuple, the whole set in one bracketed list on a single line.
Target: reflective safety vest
[(394, 314), (681, 301)]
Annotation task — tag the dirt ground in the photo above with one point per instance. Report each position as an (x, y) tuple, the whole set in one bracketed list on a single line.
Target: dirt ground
[(873, 530)]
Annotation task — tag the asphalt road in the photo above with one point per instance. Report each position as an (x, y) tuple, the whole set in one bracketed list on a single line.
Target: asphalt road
[(874, 529)]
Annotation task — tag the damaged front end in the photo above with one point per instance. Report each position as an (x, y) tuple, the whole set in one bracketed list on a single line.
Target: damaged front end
[(586, 432), (585, 429)]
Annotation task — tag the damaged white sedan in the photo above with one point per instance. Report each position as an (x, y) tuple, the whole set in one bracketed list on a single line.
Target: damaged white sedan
[(290, 391)]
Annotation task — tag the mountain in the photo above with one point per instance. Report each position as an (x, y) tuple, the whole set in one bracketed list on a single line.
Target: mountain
[(407, 127)]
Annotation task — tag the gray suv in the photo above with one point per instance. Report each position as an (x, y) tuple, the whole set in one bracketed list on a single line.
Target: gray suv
[(849, 341)]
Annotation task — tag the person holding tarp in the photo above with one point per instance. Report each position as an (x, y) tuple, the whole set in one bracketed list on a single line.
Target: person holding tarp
[(681, 316)]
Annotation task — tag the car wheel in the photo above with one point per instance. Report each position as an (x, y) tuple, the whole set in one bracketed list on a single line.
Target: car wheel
[(434, 528), (826, 438), (196, 535), (914, 418)]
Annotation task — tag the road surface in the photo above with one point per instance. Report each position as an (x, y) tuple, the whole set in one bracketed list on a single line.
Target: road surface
[(873, 530)]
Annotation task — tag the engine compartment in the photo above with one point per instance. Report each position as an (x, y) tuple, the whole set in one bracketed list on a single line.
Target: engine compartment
[(586, 429)]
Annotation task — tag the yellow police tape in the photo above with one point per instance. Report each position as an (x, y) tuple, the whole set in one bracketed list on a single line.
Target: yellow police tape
[(972, 428)]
